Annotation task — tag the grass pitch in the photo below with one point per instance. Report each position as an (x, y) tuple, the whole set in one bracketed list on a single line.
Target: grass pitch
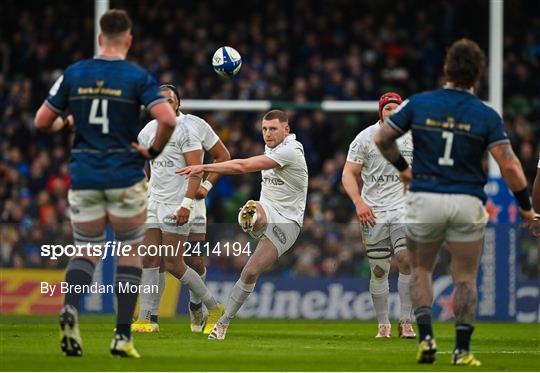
[(31, 343)]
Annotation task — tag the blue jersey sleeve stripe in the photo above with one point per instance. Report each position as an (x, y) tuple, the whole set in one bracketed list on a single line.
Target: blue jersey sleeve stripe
[(498, 142), (394, 126), (53, 108), (155, 102)]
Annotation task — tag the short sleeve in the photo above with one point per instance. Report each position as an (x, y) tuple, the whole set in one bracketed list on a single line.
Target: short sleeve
[(58, 97), (186, 142), (285, 155), (210, 138), (356, 152), (497, 134), (402, 118), (149, 92)]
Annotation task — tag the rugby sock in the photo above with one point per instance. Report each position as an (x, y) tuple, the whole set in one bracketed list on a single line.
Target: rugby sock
[(79, 272), (238, 296), (379, 294), (423, 320), (157, 300), (150, 276), (193, 298), (126, 300), (405, 302), (463, 336), (194, 282)]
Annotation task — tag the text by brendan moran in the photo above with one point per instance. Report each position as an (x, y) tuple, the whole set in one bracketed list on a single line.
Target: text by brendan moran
[(96, 288)]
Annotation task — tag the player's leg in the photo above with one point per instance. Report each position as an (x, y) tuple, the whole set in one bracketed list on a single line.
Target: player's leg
[(464, 237), (278, 236), (464, 268), (378, 251), (426, 227), (88, 218), (398, 236), (264, 257), (126, 209), (175, 265), (148, 319), (197, 314)]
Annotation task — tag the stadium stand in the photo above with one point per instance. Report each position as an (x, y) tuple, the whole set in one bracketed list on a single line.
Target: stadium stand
[(343, 55)]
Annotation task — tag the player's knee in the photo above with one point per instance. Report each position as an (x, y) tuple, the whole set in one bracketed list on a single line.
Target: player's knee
[(378, 272), (130, 235), (403, 261)]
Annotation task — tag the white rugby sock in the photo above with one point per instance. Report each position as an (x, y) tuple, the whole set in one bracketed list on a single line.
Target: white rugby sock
[(194, 282), (379, 294), (405, 302), (239, 293), (150, 276), (193, 298), (157, 298)]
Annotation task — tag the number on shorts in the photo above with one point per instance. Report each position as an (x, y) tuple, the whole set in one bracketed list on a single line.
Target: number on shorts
[(103, 120), (446, 160)]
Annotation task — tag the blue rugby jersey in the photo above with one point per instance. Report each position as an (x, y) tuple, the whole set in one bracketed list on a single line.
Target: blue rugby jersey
[(451, 129), (104, 96)]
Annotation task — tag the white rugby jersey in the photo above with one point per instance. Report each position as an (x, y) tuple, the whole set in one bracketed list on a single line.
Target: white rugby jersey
[(382, 190), (285, 187), (200, 131), (167, 186)]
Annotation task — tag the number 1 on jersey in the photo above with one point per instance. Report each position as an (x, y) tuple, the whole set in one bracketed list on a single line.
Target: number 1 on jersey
[(446, 160), (103, 120)]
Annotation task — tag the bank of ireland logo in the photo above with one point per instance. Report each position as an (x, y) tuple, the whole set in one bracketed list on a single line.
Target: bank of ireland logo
[(278, 232)]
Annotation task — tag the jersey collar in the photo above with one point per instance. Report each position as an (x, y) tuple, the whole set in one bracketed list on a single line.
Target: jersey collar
[(107, 58), (451, 86)]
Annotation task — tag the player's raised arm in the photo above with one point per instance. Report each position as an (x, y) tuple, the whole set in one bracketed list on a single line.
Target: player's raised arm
[(514, 176), (234, 166)]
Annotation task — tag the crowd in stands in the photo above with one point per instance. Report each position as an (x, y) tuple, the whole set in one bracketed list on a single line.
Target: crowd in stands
[(296, 51)]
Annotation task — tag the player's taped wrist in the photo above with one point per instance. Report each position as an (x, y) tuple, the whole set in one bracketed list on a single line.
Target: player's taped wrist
[(187, 203), (153, 152), (523, 198), (401, 163), (207, 184)]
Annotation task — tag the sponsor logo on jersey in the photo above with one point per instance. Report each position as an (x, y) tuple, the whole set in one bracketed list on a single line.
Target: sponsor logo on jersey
[(162, 163), (272, 181), (385, 178)]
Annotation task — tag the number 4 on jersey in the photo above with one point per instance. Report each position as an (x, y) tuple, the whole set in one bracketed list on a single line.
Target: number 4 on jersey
[(102, 120), (446, 160)]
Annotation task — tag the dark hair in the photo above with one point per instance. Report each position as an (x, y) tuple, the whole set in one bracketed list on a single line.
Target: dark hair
[(171, 87), (465, 63), (114, 22), (276, 114)]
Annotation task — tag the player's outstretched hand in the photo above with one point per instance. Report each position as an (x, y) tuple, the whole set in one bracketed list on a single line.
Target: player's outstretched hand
[(365, 214), (191, 170), (406, 178), (141, 149), (182, 216)]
